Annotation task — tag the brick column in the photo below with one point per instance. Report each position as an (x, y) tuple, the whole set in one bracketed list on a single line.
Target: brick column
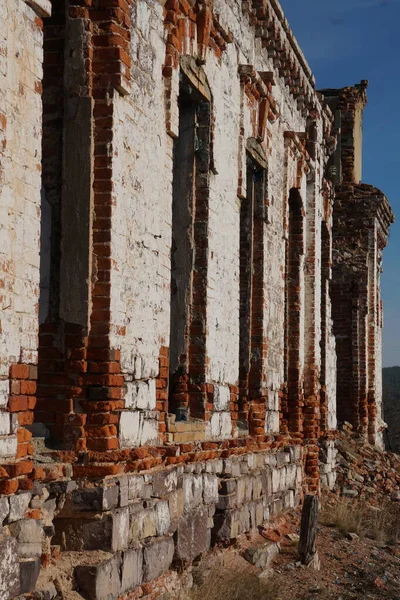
[(87, 62)]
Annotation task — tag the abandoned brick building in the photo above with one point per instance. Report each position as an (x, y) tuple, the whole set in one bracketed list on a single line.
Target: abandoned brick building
[(189, 284)]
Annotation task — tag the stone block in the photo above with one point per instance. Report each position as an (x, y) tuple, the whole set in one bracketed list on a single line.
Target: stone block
[(135, 486), (228, 486), (227, 502), (28, 575), (78, 535), (282, 458), (256, 513), (110, 497), (192, 536), (192, 491), (276, 506), (89, 500), (29, 550), (276, 480), (142, 524), (4, 509), (282, 479), (163, 519), (48, 591), (18, 505), (61, 487), (227, 466), (257, 486), (242, 483), (263, 556), (228, 525), (120, 529), (291, 476), (236, 471), (132, 569), (27, 531), (164, 483), (9, 569), (157, 558), (123, 486), (210, 488), (101, 581), (176, 502), (244, 468)]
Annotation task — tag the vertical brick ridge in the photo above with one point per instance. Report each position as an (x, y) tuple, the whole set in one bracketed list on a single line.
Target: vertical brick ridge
[(16, 437), (109, 62), (355, 288), (311, 369), (78, 368), (162, 382), (325, 291), (256, 88)]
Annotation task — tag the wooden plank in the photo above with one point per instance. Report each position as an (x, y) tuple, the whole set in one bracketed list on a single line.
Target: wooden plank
[(308, 529)]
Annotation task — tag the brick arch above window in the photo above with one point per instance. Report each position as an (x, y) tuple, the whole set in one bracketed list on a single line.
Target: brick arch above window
[(257, 152), (41, 7), (196, 76)]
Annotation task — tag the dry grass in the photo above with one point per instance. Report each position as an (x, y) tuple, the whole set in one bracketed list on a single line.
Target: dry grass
[(234, 581), (378, 523), (234, 586)]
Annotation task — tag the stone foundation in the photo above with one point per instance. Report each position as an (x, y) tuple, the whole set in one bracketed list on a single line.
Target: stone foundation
[(143, 524)]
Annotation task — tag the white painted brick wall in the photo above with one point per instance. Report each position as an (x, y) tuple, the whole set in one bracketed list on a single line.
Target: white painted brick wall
[(141, 395), (8, 446), (5, 423), (141, 235), (4, 392), (20, 71), (138, 428), (222, 397)]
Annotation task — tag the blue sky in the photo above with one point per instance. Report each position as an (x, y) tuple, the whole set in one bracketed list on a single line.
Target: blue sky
[(345, 41)]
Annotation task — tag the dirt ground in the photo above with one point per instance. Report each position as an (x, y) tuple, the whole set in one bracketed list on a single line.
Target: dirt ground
[(350, 567)]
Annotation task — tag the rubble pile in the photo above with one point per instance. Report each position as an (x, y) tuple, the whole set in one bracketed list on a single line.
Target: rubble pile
[(365, 472)]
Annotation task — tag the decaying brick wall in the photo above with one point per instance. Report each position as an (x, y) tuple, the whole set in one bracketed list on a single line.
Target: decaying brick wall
[(189, 271), (362, 218)]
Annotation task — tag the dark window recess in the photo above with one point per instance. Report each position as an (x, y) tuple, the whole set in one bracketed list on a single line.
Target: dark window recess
[(251, 287), (191, 161), (294, 254)]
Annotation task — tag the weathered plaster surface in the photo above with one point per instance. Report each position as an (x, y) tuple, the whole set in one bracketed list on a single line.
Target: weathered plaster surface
[(21, 57)]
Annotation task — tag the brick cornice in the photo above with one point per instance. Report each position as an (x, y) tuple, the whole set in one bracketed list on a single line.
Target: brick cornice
[(272, 28), (41, 7)]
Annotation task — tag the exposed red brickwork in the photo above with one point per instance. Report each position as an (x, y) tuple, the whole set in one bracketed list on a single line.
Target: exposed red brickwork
[(21, 404), (162, 391), (258, 90), (358, 207), (80, 383)]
